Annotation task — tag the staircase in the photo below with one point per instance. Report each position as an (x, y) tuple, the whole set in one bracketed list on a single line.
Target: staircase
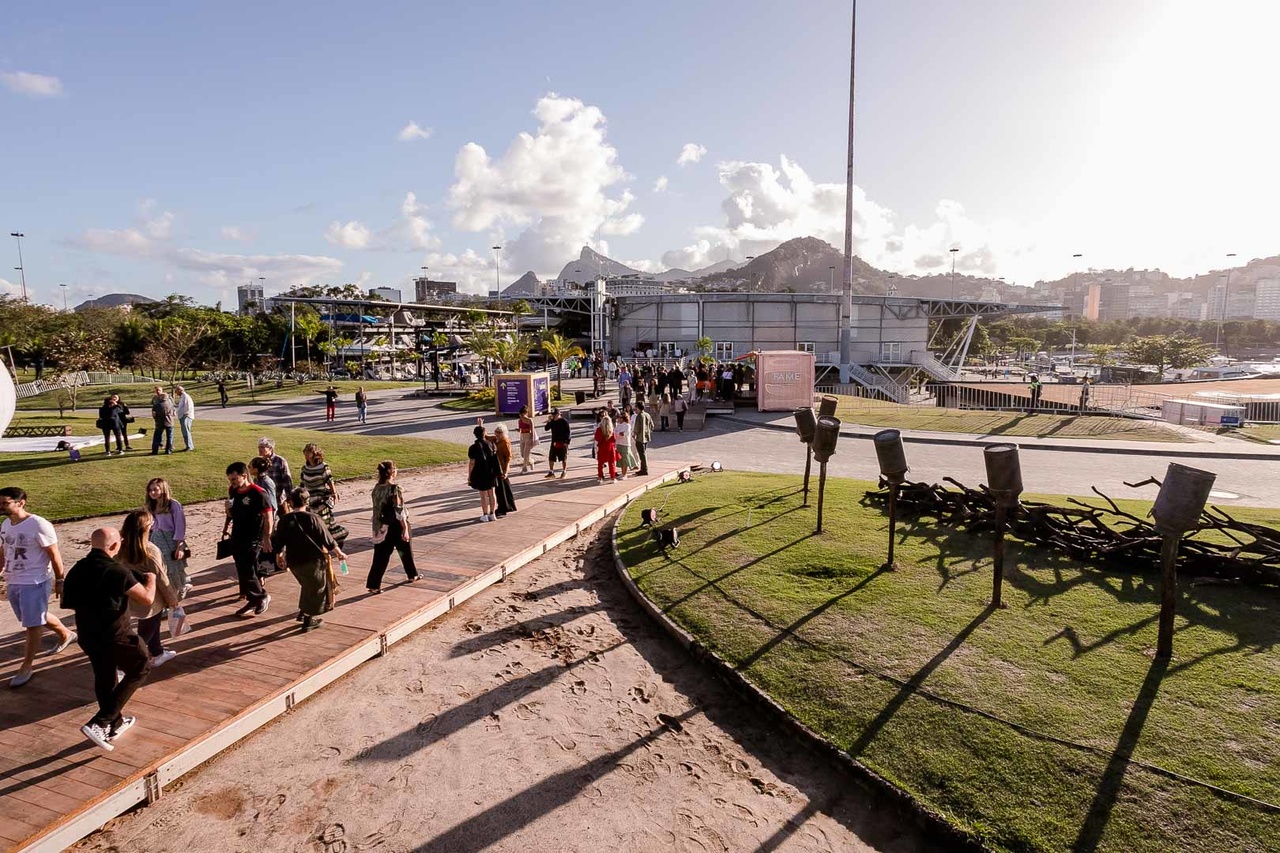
[(881, 384), (930, 364)]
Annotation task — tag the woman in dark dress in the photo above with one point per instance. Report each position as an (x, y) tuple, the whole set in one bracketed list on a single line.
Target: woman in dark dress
[(482, 464), (302, 544)]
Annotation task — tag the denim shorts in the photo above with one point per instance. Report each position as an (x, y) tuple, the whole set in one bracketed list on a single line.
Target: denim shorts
[(30, 602)]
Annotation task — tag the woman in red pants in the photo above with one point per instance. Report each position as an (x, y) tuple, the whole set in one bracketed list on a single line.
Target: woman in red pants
[(606, 450)]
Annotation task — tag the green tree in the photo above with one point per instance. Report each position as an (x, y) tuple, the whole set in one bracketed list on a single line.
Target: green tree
[(75, 350), (559, 350), (1175, 352), (704, 346), (1103, 355)]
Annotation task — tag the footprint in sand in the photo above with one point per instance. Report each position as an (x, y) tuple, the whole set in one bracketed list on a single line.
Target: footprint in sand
[(415, 686), (528, 711), (401, 777), (578, 688), (329, 752), (494, 722), (333, 838), (380, 836), (641, 693), (473, 628)]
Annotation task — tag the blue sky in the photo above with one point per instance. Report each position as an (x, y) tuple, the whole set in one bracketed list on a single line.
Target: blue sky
[(191, 147)]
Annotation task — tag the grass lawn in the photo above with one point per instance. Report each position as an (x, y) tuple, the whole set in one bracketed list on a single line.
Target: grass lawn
[(138, 395), (1257, 432), (853, 652), (1003, 423), (60, 489)]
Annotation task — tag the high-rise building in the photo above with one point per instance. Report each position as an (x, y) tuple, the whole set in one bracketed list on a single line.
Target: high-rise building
[(1092, 301), (425, 290), (391, 294), (251, 297), (1266, 301)]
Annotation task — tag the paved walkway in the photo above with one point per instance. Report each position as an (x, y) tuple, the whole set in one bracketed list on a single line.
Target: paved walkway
[(233, 675)]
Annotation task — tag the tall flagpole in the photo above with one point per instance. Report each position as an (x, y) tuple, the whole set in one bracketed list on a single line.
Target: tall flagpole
[(847, 319)]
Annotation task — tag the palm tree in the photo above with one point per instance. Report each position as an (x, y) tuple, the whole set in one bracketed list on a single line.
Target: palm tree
[(560, 350), (704, 345)]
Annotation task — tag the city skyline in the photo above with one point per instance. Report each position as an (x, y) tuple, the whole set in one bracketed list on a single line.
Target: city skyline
[(145, 156)]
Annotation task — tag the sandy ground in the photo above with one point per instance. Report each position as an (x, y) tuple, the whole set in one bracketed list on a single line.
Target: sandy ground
[(547, 713)]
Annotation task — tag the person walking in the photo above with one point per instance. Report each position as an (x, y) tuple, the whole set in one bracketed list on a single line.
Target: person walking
[(278, 470), (111, 422), (32, 567), (622, 440), (222, 392), (642, 432), (139, 555), (506, 500), (362, 405), (169, 534), (185, 410), (330, 404), (528, 439), (249, 518), (560, 436), (322, 490), (1036, 389), (664, 411), (100, 591), (1084, 394), (303, 544), (162, 414), (391, 528), (680, 406), (675, 380), (606, 450), (482, 468)]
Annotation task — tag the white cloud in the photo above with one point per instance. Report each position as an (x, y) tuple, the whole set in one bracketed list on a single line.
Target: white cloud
[(552, 183), (472, 271), (152, 238), (660, 185), (10, 288), (413, 131), (33, 85), (237, 233), (351, 235), (692, 152), (411, 232), (766, 206)]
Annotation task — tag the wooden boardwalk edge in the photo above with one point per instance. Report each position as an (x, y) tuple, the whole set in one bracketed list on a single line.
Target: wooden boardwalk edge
[(146, 786)]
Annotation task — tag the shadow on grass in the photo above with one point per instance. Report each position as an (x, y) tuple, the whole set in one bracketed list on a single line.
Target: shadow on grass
[(914, 682), (1108, 792)]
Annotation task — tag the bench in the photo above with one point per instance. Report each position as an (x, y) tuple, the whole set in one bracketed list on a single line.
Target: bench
[(38, 431)]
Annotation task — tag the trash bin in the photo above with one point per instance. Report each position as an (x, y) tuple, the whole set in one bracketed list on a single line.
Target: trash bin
[(580, 397)]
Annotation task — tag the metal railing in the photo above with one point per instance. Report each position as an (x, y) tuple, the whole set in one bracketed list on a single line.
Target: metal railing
[(930, 364), (895, 392), (44, 386)]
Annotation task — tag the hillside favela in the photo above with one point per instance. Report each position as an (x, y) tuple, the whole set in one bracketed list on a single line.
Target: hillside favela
[(682, 427)]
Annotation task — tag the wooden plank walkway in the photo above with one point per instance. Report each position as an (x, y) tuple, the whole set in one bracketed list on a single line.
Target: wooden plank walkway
[(233, 675)]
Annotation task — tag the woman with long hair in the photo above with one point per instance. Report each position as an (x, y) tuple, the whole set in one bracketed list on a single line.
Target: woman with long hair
[(169, 533), (482, 473), (390, 528), (606, 450), (528, 438), (318, 480), (304, 545), (622, 438), (139, 554), (506, 500)]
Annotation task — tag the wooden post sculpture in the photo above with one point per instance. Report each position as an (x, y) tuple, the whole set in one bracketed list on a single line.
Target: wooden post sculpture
[(893, 467), (1177, 510), (1004, 481), (824, 447), (806, 425)]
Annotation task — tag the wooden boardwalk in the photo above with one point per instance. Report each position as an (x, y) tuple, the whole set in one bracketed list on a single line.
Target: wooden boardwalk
[(233, 675)]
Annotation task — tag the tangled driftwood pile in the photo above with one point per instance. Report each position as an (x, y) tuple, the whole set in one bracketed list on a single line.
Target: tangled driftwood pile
[(1221, 547)]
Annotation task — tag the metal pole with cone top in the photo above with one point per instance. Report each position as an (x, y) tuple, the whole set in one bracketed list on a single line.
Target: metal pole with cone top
[(806, 425), (1004, 481), (1177, 510), (824, 447), (893, 467)]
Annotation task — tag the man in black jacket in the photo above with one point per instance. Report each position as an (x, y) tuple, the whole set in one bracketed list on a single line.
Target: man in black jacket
[(99, 590), (559, 429)]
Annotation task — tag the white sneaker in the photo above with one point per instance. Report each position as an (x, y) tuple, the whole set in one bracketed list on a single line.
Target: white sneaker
[(599, 481), (484, 517), (62, 644), (98, 735), (163, 658)]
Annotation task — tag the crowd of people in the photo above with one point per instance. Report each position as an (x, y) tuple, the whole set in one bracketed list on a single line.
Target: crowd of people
[(135, 576)]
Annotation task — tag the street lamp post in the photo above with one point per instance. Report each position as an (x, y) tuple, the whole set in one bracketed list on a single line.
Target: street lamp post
[(846, 321), (1222, 312), (64, 296), (21, 267), (497, 267), (832, 268), (953, 250)]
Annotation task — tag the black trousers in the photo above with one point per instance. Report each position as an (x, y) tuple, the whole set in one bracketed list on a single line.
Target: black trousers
[(644, 461), (505, 498), (106, 439), (106, 655), (394, 541), (149, 633), (246, 557)]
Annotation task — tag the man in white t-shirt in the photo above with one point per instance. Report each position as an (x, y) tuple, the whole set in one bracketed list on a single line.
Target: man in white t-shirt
[(32, 567)]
